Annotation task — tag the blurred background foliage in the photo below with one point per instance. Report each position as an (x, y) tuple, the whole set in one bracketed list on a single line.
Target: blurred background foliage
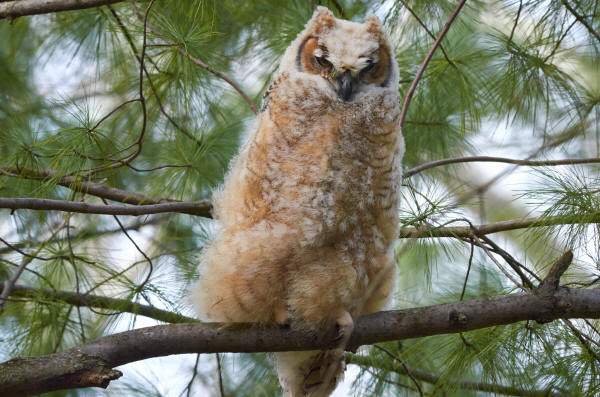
[(512, 78)]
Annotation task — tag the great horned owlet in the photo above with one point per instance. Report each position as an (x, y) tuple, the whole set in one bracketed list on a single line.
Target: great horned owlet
[(308, 211)]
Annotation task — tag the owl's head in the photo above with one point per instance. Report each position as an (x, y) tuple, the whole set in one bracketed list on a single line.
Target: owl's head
[(349, 57)]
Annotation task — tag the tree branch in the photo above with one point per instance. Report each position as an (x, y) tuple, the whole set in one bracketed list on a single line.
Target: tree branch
[(52, 372), (20, 8), (491, 159), (502, 226), (429, 32), (581, 19), (198, 62), (203, 208), (82, 186), (99, 302), (461, 384), (200, 208), (421, 70)]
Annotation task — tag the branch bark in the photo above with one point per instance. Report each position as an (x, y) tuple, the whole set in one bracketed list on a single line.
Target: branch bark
[(502, 226), (203, 208), (20, 8), (421, 70), (53, 372), (491, 159), (99, 302), (88, 187), (200, 208)]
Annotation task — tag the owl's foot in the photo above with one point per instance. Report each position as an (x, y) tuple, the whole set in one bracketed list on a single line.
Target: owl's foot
[(283, 317), (344, 326)]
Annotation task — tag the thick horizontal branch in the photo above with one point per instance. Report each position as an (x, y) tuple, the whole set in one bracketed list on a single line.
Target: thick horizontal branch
[(502, 226), (99, 302), (490, 159), (139, 344), (20, 8), (201, 208)]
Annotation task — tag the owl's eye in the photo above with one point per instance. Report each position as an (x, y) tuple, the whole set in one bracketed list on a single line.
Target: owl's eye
[(323, 62), (370, 67)]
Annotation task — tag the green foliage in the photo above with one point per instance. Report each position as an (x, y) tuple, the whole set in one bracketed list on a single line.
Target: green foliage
[(511, 76)]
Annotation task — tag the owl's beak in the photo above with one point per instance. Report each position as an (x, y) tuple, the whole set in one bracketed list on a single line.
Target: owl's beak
[(346, 86)]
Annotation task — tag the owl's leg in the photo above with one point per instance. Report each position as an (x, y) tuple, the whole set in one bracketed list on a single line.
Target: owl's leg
[(283, 316), (381, 286), (329, 365), (344, 326)]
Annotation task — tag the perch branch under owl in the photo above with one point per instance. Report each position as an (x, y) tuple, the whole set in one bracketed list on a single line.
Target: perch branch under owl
[(134, 345)]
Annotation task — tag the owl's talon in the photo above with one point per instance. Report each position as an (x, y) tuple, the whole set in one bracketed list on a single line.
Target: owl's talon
[(286, 324), (344, 326), (283, 317)]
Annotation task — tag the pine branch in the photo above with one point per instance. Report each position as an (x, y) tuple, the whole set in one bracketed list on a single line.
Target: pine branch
[(203, 208), (97, 358), (136, 225), (98, 302), (19, 8), (82, 186), (200, 208), (581, 20), (501, 226), (429, 32), (471, 159), (428, 377), (197, 61), (421, 70)]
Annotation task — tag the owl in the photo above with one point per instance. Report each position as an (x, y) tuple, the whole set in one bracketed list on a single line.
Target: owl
[(307, 215)]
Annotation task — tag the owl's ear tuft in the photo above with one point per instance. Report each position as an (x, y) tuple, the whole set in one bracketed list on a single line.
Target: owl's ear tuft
[(322, 20), (373, 24)]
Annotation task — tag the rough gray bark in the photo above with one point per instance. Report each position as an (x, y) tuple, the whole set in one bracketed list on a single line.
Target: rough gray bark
[(19, 8), (97, 358)]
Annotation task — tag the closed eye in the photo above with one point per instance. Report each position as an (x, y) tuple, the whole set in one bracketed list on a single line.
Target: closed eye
[(371, 66), (323, 62)]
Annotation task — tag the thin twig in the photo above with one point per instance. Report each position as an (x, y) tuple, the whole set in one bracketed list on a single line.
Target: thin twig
[(129, 39), (75, 270), (406, 369), (188, 388), (198, 62), (512, 32), (99, 302), (220, 374), (8, 285), (434, 379), (83, 186), (429, 32), (139, 287), (582, 20), (427, 231), (464, 288), (502, 269), (471, 159), (421, 70)]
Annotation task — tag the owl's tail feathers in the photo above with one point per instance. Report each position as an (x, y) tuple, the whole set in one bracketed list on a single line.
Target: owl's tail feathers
[(309, 373)]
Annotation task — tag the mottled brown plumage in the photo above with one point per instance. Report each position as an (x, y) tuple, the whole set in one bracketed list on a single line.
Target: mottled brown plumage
[(308, 212)]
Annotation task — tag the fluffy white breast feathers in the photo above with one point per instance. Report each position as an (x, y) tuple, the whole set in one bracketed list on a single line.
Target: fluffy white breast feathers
[(307, 216)]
